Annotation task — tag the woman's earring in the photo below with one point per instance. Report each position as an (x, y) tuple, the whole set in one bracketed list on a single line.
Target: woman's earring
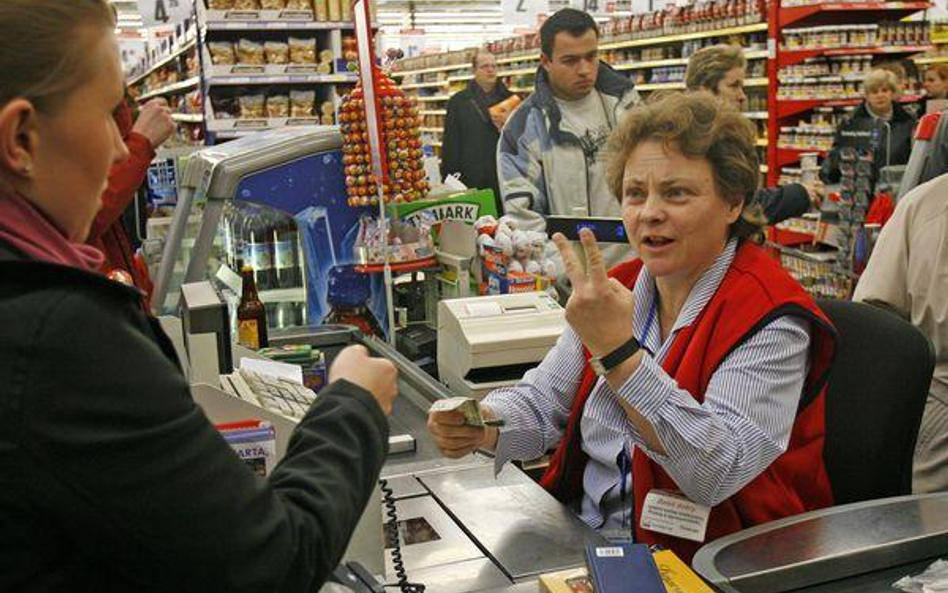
[(27, 170)]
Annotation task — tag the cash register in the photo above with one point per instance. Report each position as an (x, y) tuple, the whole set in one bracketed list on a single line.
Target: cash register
[(491, 341)]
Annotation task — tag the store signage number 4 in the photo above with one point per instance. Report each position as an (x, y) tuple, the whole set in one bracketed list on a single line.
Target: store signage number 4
[(161, 15), (163, 12)]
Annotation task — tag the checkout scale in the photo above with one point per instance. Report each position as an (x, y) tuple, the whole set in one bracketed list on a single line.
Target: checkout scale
[(466, 529)]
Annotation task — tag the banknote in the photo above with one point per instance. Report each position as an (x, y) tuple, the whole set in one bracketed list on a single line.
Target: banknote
[(466, 406)]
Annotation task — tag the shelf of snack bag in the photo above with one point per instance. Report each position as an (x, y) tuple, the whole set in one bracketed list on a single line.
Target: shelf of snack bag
[(938, 54), (822, 52), (274, 63)]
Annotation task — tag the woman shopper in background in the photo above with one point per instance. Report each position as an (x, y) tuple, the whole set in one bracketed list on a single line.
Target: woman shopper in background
[(721, 70), (880, 113), (115, 480), (698, 368)]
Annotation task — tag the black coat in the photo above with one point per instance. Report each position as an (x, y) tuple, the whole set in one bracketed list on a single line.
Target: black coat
[(470, 139), (897, 136), (112, 479), (783, 202)]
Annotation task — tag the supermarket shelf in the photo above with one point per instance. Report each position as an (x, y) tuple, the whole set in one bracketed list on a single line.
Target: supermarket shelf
[(520, 89), (242, 20), (684, 36), (284, 79), (189, 45), (660, 86), (188, 118), (517, 72), (234, 128), (750, 82), (434, 112), (761, 142), (787, 155), (786, 108), (436, 143), (462, 78), (792, 14), (756, 114), (171, 89), (522, 58), (751, 55), (425, 85), (790, 57), (427, 70), (283, 295), (433, 130), (764, 168), (931, 60), (433, 98)]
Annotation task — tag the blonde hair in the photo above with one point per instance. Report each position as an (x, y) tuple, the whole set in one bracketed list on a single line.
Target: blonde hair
[(709, 65), (43, 57), (877, 78), (700, 126)]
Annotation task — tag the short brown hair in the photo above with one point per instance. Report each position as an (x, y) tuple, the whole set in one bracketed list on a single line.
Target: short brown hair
[(707, 66), (42, 57), (940, 69), (700, 126)]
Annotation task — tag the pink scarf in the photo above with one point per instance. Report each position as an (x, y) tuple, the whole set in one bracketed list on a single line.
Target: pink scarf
[(27, 230)]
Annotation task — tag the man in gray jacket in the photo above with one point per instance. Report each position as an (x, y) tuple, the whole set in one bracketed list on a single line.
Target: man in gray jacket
[(550, 157)]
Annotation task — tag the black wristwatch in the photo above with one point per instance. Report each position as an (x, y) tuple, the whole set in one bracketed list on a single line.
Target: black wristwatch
[(603, 364)]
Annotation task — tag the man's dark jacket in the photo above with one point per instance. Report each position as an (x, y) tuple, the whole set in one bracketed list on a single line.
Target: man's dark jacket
[(894, 140), (470, 138), (112, 479)]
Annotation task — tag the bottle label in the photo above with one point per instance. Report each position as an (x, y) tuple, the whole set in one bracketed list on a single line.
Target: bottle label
[(285, 254), (261, 258), (248, 334)]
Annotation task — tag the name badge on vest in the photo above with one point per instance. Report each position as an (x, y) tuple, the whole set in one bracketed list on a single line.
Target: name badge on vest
[(673, 514)]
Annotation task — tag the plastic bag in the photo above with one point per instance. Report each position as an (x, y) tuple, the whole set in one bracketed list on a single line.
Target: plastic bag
[(302, 50), (250, 52), (933, 580)]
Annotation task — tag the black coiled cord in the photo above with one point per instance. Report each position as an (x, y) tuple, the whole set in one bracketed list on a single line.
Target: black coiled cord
[(388, 497)]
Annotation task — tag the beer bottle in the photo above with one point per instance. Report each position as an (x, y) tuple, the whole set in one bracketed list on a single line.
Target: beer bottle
[(251, 314)]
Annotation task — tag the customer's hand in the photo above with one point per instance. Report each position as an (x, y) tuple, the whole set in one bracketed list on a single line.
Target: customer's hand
[(499, 118), (455, 439), (378, 376), (600, 308), (154, 122), (816, 194)]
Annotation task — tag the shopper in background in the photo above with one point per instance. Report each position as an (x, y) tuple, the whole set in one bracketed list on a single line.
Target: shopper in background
[(152, 128), (550, 158), (112, 478), (879, 113), (936, 81), (471, 131), (709, 359), (908, 274), (721, 69)]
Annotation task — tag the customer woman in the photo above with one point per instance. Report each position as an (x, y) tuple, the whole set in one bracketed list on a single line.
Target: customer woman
[(696, 369), (888, 124), (936, 81), (111, 477), (721, 69)]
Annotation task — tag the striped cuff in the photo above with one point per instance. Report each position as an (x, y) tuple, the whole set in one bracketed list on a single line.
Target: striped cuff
[(648, 390), (519, 438)]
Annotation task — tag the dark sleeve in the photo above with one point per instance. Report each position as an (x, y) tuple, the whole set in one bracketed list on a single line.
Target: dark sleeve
[(450, 142), (126, 465), (783, 202), (829, 170)]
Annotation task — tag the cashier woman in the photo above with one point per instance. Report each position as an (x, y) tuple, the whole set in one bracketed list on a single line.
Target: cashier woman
[(685, 399), (111, 477)]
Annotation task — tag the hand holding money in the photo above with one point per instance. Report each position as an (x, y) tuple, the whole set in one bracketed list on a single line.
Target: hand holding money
[(460, 426)]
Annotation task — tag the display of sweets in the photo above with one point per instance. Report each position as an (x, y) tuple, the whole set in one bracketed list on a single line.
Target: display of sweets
[(403, 173)]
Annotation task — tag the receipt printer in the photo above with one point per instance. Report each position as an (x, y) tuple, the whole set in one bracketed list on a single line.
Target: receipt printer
[(491, 341)]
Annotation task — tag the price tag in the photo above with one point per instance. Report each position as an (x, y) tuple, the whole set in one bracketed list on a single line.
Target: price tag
[(673, 514)]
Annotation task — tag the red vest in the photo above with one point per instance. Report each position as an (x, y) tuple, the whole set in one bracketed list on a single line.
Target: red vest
[(754, 291)]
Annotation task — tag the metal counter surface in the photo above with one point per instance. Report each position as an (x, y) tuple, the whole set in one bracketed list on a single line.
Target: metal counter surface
[(841, 544), (520, 526)]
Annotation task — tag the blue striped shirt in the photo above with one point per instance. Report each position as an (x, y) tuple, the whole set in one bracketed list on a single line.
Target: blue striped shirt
[(713, 449)]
